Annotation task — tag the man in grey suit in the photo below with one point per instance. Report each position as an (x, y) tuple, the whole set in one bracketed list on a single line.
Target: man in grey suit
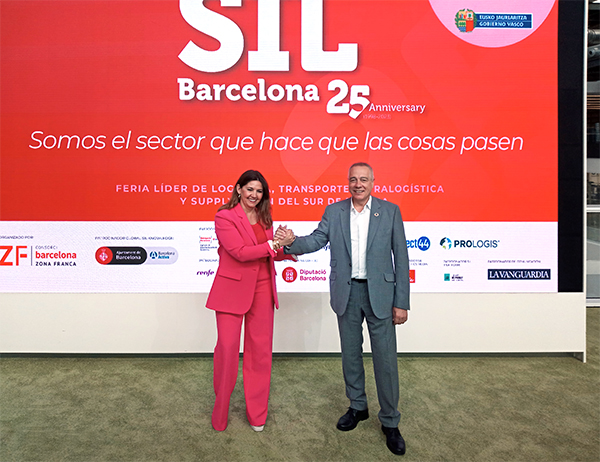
[(369, 280)]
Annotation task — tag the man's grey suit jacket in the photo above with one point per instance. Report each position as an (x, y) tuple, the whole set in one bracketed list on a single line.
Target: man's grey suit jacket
[(387, 256)]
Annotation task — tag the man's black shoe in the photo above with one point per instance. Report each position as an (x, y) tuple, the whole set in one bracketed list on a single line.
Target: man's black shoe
[(394, 440), (350, 419)]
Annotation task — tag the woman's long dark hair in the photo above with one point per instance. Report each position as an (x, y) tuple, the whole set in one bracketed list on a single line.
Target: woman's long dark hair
[(263, 208)]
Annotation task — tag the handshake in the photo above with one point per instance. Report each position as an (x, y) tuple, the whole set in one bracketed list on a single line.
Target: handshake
[(283, 236)]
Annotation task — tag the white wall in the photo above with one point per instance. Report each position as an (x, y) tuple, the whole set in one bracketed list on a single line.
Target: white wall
[(167, 323)]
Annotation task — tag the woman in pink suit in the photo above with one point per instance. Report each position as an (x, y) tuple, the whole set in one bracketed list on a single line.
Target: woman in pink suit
[(244, 289)]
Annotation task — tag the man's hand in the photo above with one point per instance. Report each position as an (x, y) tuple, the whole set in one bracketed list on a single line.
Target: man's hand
[(400, 316)]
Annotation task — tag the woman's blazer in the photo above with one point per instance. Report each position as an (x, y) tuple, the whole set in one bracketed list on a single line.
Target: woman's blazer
[(239, 252)]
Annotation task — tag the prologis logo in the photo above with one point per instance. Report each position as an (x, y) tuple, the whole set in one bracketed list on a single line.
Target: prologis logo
[(446, 243)]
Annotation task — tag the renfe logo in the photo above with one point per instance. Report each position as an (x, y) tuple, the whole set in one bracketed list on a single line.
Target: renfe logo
[(269, 56)]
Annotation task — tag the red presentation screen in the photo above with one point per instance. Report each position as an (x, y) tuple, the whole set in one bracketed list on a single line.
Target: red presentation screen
[(126, 123)]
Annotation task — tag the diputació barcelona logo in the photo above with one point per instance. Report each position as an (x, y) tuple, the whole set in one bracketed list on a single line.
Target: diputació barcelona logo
[(289, 274)]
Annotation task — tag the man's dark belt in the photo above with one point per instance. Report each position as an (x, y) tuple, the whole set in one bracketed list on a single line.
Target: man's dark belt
[(359, 280)]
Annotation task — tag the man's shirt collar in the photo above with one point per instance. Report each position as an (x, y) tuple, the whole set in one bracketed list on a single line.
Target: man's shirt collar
[(367, 205)]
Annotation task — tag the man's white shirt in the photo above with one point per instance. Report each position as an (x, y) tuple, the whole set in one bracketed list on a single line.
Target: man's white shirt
[(359, 230)]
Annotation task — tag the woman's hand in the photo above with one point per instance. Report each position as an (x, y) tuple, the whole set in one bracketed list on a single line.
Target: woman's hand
[(284, 236)]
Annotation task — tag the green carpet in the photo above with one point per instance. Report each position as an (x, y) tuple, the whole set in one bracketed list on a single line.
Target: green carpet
[(473, 408)]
